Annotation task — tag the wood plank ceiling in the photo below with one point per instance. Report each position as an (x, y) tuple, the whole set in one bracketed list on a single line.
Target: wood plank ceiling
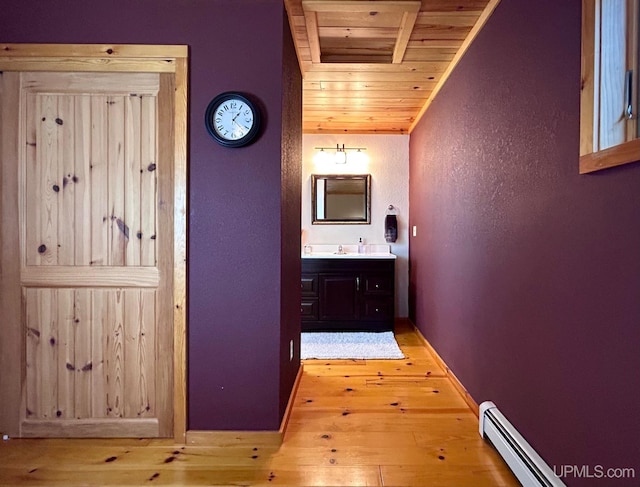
[(373, 66)]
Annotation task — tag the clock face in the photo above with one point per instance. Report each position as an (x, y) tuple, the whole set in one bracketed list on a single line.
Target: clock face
[(232, 119)]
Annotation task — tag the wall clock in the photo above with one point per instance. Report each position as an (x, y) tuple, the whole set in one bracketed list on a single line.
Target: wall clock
[(232, 119)]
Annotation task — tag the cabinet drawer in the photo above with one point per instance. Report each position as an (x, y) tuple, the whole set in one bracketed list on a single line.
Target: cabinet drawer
[(309, 284), (377, 309), (309, 309), (378, 285)]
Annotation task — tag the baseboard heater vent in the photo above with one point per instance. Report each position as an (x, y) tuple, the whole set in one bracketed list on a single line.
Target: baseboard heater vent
[(528, 467)]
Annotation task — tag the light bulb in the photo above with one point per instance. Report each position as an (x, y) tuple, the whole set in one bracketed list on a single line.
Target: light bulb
[(358, 157), (340, 157), (322, 157)]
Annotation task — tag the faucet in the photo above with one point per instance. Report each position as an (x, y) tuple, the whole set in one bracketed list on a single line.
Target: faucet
[(340, 251)]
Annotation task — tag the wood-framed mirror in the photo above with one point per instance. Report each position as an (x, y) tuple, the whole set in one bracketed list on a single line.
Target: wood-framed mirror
[(340, 199)]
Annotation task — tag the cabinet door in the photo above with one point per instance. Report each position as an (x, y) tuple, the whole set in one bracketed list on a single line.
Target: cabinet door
[(338, 297)]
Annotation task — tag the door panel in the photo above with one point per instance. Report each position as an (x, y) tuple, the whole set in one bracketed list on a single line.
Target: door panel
[(338, 297), (94, 181), (89, 353), (86, 186)]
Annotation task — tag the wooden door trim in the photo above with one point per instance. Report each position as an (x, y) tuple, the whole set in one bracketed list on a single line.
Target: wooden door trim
[(136, 58), (10, 295)]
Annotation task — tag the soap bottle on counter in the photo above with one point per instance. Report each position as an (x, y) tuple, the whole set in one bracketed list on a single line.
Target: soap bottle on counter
[(360, 246)]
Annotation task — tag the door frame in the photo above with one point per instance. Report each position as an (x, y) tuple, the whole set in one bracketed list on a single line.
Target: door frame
[(121, 58)]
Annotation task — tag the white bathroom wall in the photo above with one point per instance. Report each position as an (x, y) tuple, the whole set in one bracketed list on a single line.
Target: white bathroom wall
[(387, 160)]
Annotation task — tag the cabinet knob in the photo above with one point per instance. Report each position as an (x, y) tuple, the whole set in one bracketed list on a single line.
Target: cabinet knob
[(377, 286), (377, 310)]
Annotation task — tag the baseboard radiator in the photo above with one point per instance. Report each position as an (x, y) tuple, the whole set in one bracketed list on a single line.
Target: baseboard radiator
[(528, 467)]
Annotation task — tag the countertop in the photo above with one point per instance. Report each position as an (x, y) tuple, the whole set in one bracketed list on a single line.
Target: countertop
[(330, 251)]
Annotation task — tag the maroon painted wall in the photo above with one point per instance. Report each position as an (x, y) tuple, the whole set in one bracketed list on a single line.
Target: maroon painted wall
[(525, 275), (236, 223), (291, 184)]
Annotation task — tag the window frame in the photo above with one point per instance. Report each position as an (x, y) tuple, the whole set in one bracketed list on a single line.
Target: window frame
[(591, 157)]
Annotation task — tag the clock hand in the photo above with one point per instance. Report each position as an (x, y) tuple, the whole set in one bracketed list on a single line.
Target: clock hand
[(237, 114), (239, 126)]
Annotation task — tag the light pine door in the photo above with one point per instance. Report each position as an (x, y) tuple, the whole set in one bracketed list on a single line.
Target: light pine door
[(89, 157)]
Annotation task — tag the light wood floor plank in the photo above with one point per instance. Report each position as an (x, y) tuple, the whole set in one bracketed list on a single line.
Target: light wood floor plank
[(353, 423), (447, 476), (325, 421), (377, 368), (211, 476), (349, 439)]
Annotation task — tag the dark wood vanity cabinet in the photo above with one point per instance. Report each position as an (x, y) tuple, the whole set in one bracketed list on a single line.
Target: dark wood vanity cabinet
[(347, 294)]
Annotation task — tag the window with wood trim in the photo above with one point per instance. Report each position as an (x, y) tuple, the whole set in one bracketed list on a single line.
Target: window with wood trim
[(609, 128)]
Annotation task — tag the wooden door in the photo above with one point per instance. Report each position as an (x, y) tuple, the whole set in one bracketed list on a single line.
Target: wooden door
[(89, 157)]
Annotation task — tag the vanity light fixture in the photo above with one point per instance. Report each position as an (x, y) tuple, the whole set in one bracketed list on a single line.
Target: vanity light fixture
[(340, 155)]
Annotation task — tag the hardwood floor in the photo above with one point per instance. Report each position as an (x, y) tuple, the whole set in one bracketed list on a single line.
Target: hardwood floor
[(354, 423)]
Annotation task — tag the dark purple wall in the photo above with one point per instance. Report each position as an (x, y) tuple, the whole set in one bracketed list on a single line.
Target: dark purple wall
[(290, 263), (525, 275), (236, 223)]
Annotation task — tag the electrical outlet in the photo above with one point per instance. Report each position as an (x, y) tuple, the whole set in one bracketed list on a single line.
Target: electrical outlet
[(415, 230), (290, 350)]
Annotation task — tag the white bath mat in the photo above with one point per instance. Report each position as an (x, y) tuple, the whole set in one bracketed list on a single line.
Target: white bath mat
[(349, 345)]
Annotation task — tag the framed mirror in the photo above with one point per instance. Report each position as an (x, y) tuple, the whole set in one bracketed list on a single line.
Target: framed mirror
[(340, 199)]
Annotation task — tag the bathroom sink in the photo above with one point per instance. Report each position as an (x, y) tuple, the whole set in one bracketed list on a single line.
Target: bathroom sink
[(328, 251)]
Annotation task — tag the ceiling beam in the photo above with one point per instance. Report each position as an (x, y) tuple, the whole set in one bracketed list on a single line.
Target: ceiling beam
[(359, 5), (311, 20), (406, 28)]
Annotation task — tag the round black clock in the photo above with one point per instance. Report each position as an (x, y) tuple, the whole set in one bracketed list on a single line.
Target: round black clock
[(232, 119)]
